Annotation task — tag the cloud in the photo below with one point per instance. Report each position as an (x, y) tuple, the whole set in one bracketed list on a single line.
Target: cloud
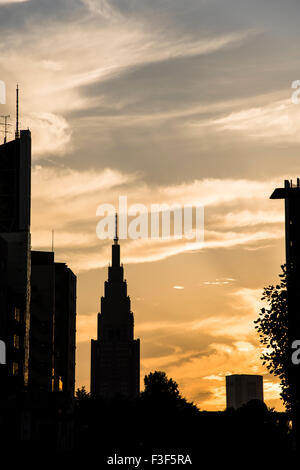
[(6, 2), (52, 134), (226, 338), (218, 282), (214, 377), (248, 218), (66, 200), (55, 83), (102, 8), (278, 121), (66, 183), (170, 102)]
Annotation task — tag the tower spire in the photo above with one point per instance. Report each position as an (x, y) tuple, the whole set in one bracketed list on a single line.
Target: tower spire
[(116, 246), (17, 134), (116, 239), (115, 348)]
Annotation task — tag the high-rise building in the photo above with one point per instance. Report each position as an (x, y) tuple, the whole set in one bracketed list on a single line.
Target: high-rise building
[(241, 388), (31, 284), (15, 174), (42, 321), (52, 325), (115, 355), (291, 195), (37, 315), (15, 184), (65, 328)]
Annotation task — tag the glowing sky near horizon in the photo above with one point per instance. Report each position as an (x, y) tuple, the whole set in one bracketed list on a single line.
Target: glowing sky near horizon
[(164, 102)]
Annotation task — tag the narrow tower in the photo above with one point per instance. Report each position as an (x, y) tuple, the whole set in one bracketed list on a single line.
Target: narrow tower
[(17, 134), (291, 195), (115, 355)]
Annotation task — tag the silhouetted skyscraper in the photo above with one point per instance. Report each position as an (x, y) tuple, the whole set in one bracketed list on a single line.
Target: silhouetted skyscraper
[(15, 174), (115, 355), (42, 310), (241, 388), (52, 325), (65, 328), (291, 195), (15, 184)]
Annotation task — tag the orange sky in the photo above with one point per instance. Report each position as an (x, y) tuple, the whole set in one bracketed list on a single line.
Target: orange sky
[(164, 102)]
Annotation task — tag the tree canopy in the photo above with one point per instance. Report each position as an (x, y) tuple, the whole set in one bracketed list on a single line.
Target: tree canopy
[(272, 326), (157, 383)]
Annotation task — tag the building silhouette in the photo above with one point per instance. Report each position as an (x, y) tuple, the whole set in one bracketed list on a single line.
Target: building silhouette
[(291, 195), (241, 388), (65, 328), (42, 309), (115, 355), (37, 320), (52, 325), (37, 295), (15, 184)]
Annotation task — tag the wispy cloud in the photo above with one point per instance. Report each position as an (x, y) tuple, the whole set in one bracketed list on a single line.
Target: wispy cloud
[(165, 105), (52, 135), (6, 2), (278, 121), (228, 345), (67, 200)]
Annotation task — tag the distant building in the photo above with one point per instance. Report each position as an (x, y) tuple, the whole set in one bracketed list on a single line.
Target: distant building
[(65, 328), (52, 325), (42, 309), (240, 389), (15, 184), (115, 355)]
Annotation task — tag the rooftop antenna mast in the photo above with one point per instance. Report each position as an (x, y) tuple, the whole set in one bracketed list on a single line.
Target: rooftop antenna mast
[(17, 134), (5, 124), (116, 239), (52, 241)]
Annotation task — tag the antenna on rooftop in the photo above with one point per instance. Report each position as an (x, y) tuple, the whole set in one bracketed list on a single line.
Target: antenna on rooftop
[(17, 134), (116, 239)]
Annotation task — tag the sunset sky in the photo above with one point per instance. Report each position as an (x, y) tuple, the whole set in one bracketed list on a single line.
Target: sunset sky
[(164, 101)]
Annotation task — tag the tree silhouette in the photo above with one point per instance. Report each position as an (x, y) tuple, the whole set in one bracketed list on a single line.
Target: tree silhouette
[(161, 390), (272, 326), (82, 394), (157, 383), (166, 418)]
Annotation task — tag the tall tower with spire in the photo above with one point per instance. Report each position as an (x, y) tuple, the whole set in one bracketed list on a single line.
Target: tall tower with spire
[(115, 355)]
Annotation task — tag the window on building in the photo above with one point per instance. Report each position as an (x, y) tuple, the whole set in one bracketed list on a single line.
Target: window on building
[(15, 368), (16, 342), (17, 314), (60, 384)]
